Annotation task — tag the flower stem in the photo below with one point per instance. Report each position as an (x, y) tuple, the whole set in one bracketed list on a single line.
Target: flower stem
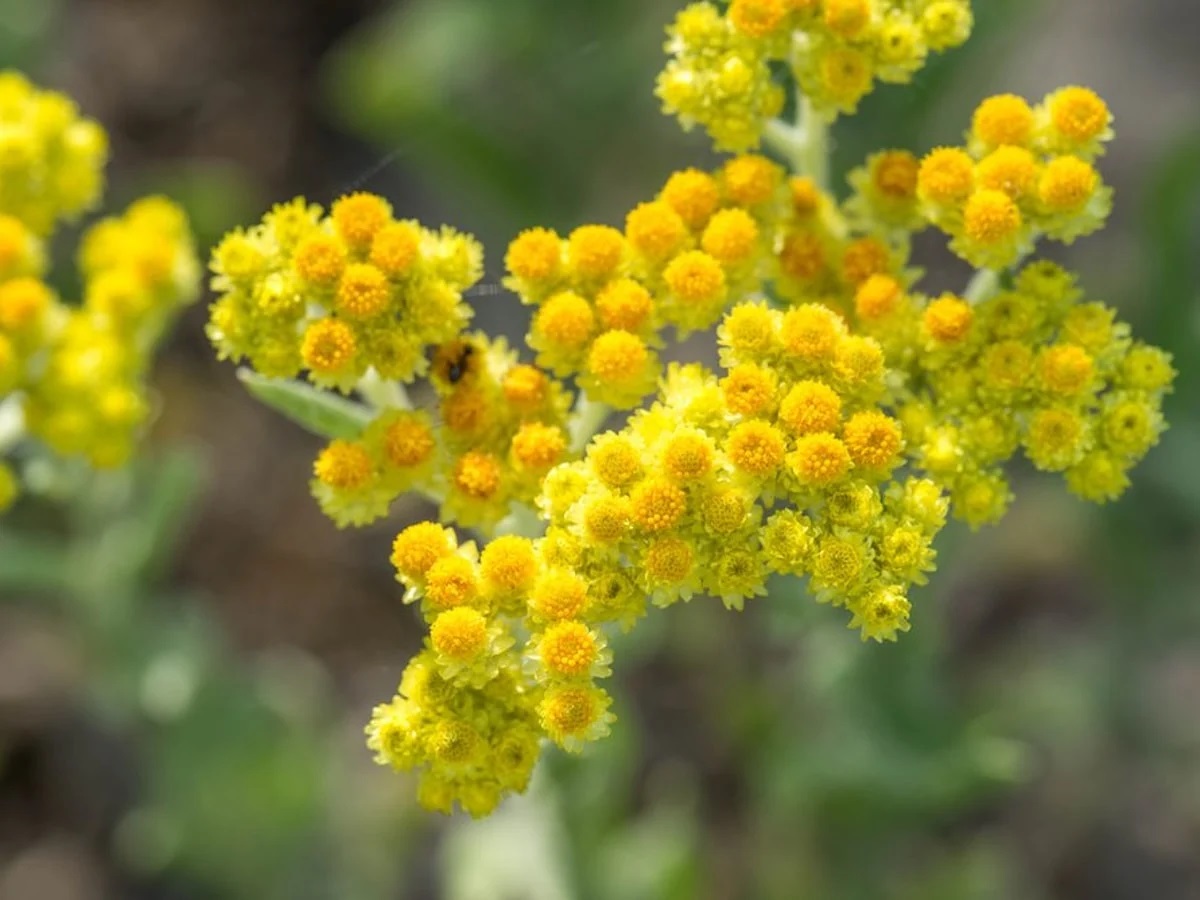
[(982, 286), (804, 145), (586, 419)]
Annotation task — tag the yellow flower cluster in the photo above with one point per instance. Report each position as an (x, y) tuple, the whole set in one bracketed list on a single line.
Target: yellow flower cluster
[(1032, 368), (782, 466), (72, 375), (501, 427), (51, 159), (340, 294), (850, 415), (88, 396), (720, 77), (604, 296), (1025, 172)]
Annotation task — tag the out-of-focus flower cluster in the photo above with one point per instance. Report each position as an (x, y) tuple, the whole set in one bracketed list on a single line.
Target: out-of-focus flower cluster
[(722, 73), (851, 413), (73, 375)]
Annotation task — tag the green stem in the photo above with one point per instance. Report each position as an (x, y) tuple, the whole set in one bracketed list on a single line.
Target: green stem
[(982, 286), (12, 423), (586, 419), (803, 145)]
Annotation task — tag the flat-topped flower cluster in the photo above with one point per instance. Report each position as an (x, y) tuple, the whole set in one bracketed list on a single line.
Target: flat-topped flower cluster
[(850, 415)]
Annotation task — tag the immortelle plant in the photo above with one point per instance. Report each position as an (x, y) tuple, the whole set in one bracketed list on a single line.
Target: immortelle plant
[(73, 375), (850, 415)]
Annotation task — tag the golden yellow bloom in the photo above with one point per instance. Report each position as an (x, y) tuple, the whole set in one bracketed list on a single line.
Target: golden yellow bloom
[(320, 260), (990, 217), (408, 442), (1012, 170), (756, 447), (805, 195), (594, 251), (863, 258), (845, 76), (750, 180), (449, 582), (655, 230), (749, 329), (872, 439), (1067, 184), (624, 305), (669, 561), (477, 475), (570, 714), (802, 255), (537, 446), (565, 320), (618, 358), (616, 461), (811, 333), (1078, 114), (508, 565), (687, 456), (396, 248), (819, 459), (329, 346), (418, 547), (558, 595), (758, 18), (695, 278), (657, 505), (847, 18), (459, 633), (947, 319), (534, 255), (877, 297), (946, 176), (730, 236), (358, 217), (1065, 369), (344, 465), (1003, 119), (748, 389), (363, 292), (526, 387), (569, 649), (606, 519), (693, 195), (810, 407)]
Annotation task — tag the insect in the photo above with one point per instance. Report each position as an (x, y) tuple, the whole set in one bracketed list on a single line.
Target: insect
[(459, 366), (455, 361)]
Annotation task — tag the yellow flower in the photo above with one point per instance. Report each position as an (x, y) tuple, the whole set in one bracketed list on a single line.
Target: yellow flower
[(810, 407), (534, 256), (657, 505), (655, 230), (594, 251), (1003, 119), (756, 448), (358, 217), (948, 319), (693, 194), (418, 547), (819, 460)]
